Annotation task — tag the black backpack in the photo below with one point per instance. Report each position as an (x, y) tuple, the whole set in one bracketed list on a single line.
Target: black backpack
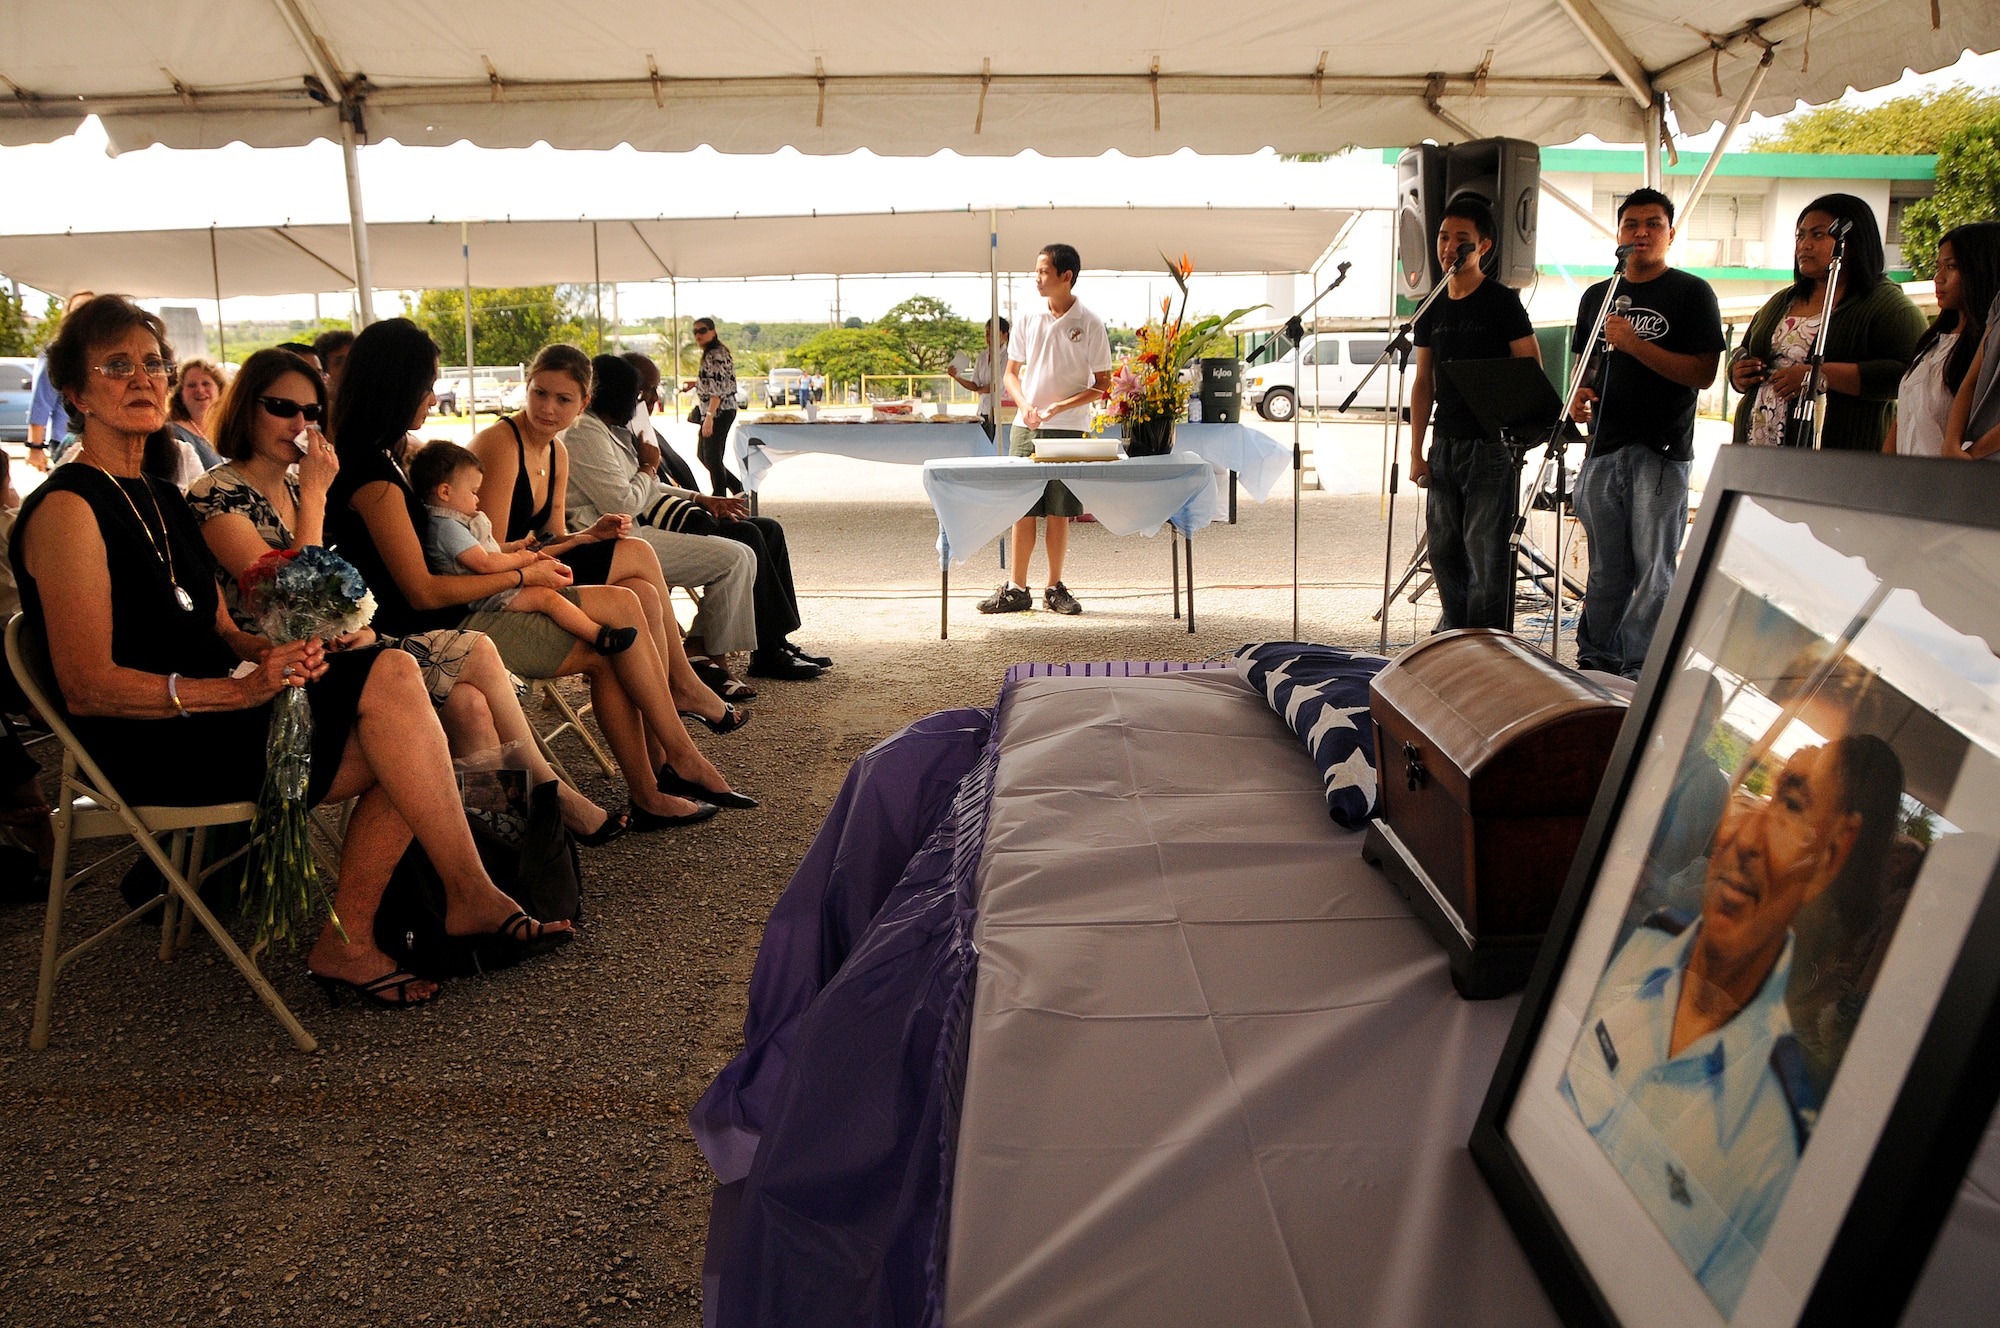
[(544, 876)]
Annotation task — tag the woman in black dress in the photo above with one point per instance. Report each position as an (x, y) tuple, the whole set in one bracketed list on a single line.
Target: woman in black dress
[(373, 516), (144, 654)]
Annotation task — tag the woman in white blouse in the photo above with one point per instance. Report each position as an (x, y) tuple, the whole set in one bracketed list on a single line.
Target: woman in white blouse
[(1968, 278)]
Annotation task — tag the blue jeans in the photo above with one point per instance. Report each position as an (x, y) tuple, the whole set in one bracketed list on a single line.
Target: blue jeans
[(1468, 515), (1634, 505)]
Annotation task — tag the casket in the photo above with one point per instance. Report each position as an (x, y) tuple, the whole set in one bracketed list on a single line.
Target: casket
[(1489, 755)]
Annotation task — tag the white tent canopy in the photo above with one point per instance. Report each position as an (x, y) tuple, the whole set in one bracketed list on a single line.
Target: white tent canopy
[(830, 76), (285, 260)]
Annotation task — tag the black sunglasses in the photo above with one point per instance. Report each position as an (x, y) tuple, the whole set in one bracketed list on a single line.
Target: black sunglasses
[(285, 408)]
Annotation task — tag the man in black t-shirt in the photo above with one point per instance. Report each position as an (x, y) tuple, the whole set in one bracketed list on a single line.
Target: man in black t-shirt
[(1638, 394), (1470, 476)]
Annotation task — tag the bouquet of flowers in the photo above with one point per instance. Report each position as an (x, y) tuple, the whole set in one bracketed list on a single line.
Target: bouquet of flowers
[(293, 595), (1150, 387)]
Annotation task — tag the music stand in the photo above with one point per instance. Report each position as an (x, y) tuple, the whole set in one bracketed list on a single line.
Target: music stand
[(1516, 404)]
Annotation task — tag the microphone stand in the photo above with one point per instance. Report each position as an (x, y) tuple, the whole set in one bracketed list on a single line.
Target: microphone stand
[(1557, 452), (1295, 328), (1399, 346), (1803, 425)]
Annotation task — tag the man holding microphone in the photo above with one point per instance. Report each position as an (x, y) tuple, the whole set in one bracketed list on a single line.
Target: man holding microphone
[(1470, 476), (1660, 350)]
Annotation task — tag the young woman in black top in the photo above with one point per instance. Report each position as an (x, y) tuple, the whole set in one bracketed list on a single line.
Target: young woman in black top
[(373, 516)]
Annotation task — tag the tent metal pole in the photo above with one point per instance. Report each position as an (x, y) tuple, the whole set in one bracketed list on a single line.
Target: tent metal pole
[(1736, 119), (1655, 127), (215, 271), (471, 392), (357, 224), (996, 367), (675, 287), (1298, 474), (597, 286)]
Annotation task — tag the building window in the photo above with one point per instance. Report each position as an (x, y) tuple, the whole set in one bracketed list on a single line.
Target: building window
[(1723, 230)]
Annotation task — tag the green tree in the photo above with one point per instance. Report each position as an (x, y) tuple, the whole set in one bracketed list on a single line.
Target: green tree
[(930, 333), (844, 354), (1968, 189), (509, 324), (1917, 124), (15, 338)]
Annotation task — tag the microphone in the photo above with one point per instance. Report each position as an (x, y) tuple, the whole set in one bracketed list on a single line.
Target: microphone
[(1840, 228), (1624, 251), (1622, 305), (1465, 251)]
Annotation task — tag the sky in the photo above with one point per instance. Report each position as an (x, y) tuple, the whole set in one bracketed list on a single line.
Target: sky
[(82, 188)]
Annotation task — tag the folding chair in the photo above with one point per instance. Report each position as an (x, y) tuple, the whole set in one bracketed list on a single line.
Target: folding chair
[(87, 807), (542, 693)]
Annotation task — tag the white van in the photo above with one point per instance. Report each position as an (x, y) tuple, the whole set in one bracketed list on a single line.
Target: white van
[(1332, 363)]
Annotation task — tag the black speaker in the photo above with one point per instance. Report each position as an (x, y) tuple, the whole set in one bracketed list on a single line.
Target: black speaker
[(1221, 391), (1505, 174), (1420, 186)]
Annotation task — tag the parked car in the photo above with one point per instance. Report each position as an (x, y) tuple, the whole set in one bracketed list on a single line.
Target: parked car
[(787, 387), (1333, 363), (17, 385)]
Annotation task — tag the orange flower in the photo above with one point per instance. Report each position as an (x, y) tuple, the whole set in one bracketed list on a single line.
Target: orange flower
[(1187, 266)]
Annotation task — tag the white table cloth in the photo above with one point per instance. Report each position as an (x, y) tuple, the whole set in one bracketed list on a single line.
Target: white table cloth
[(1218, 1075), (978, 498), (1258, 459), (755, 448)]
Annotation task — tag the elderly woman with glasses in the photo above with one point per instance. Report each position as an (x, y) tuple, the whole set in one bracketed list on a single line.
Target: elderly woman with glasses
[(271, 494), (146, 661)]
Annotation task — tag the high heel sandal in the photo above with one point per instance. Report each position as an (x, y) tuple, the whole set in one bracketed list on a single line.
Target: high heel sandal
[(372, 992), (523, 935), (716, 678), (612, 827), (675, 785), (732, 719)]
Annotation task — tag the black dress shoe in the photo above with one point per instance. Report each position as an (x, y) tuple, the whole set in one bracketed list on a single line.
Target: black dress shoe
[(777, 664), (675, 786), (644, 821), (799, 654)]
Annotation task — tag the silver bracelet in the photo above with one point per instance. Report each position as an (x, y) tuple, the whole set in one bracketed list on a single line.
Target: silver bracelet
[(174, 695)]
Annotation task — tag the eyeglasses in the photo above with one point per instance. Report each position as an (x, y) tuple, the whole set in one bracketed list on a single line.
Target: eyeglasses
[(698, 331), (287, 409), (120, 369)]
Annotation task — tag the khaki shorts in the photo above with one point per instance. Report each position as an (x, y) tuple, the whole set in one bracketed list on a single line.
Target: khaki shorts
[(530, 644), (1056, 499)]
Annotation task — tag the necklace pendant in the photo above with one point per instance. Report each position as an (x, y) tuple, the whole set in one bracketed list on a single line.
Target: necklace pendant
[(185, 600)]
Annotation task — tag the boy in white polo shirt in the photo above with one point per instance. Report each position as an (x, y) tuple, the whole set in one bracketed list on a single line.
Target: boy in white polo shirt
[(1058, 365)]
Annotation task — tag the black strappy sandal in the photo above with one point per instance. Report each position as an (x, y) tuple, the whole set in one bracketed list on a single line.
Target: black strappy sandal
[(373, 993), (523, 935), (732, 719)]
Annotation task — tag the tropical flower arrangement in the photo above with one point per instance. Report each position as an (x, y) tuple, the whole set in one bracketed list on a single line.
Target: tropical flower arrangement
[(1150, 386), (293, 595)]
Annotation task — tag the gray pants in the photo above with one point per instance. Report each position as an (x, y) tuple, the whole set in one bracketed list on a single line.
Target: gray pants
[(1633, 504), (725, 572)]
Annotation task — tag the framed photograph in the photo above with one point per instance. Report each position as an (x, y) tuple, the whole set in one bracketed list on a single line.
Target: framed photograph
[(1760, 1044)]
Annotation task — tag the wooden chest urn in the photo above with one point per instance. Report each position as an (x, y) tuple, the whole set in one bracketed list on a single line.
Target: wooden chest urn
[(1489, 755)]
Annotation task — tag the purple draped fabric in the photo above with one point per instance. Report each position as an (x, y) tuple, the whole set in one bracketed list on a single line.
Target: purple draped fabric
[(893, 798), (841, 1219)]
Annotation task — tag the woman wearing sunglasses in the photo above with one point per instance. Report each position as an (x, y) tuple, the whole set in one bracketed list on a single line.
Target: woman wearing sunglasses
[(269, 422)]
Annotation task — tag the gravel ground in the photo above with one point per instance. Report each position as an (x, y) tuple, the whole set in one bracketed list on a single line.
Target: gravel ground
[(519, 1152)]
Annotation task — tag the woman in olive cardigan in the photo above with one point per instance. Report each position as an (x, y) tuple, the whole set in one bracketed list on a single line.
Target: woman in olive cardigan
[(1869, 345)]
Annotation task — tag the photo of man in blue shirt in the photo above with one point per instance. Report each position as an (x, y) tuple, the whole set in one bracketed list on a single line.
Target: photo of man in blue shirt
[(1687, 1072)]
